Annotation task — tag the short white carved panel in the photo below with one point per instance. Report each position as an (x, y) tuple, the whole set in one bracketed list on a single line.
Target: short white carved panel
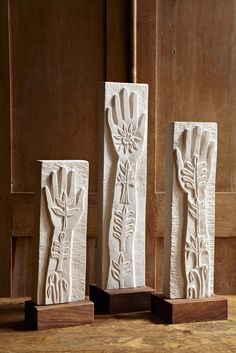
[(190, 210), (60, 231), (122, 185)]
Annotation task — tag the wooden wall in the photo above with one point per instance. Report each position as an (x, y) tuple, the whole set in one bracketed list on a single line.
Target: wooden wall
[(196, 75), (52, 56)]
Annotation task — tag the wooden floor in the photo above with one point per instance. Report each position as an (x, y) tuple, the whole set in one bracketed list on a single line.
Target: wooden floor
[(139, 332)]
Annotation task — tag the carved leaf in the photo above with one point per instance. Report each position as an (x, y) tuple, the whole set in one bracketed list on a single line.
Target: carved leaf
[(60, 202), (194, 214), (58, 211), (115, 264), (115, 274), (117, 235), (62, 237)]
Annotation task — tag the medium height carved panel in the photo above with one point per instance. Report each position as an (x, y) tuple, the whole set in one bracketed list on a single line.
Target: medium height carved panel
[(190, 210), (121, 238), (61, 222)]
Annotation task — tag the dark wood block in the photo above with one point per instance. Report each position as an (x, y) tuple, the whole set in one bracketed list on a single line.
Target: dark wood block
[(115, 301), (175, 311), (38, 317)]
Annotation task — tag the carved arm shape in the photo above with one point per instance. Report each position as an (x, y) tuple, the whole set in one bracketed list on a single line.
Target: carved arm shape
[(193, 171), (128, 134), (65, 206)]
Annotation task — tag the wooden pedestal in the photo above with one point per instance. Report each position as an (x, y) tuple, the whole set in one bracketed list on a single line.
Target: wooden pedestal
[(38, 317), (115, 301), (175, 311)]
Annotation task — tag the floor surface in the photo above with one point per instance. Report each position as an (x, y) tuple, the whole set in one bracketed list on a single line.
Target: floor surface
[(138, 332)]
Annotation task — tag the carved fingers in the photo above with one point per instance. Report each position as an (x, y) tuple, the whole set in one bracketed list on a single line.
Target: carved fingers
[(142, 125), (210, 151), (187, 143), (110, 120), (179, 159), (134, 107), (126, 105), (198, 138), (196, 142), (50, 202), (72, 190), (194, 160), (205, 145), (126, 129), (81, 200)]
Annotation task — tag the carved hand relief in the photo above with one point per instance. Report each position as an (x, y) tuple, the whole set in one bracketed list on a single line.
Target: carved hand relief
[(61, 232), (127, 130), (66, 207), (194, 164), (194, 167)]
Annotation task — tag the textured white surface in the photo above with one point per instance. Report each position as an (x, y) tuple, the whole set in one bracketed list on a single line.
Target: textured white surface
[(190, 210), (60, 231), (122, 185)]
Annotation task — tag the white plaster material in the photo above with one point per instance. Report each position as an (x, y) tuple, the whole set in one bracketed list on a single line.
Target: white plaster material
[(190, 210), (60, 231), (122, 185)]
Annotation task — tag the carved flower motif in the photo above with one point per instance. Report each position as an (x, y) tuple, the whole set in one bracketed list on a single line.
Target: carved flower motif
[(126, 139)]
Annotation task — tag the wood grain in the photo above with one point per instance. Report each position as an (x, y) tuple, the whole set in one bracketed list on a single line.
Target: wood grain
[(56, 67), (22, 263), (41, 317), (145, 71), (177, 311), (115, 301), (184, 50), (117, 41), (196, 75), (225, 266), (5, 155)]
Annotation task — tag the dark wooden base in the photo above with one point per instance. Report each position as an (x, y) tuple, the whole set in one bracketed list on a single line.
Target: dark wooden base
[(38, 317), (175, 311), (115, 301)]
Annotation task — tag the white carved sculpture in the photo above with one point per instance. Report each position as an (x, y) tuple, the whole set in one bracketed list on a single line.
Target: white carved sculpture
[(190, 210), (61, 222), (121, 237)]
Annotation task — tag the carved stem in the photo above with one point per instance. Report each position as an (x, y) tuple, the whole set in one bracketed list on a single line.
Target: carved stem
[(122, 224), (59, 268)]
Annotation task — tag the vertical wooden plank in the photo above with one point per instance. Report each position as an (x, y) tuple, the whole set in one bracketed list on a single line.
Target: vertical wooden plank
[(22, 251), (58, 59), (196, 74), (145, 72), (5, 155), (225, 266), (91, 254), (196, 49), (117, 40)]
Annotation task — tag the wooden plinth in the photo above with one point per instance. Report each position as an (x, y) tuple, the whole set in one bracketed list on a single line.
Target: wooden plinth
[(39, 317), (175, 311), (115, 301)]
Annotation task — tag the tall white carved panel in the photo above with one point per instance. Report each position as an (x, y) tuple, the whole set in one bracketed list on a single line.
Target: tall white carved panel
[(190, 210), (122, 185), (60, 231)]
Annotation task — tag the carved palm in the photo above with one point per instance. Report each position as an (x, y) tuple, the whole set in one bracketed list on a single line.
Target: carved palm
[(127, 129), (64, 205), (194, 162)]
